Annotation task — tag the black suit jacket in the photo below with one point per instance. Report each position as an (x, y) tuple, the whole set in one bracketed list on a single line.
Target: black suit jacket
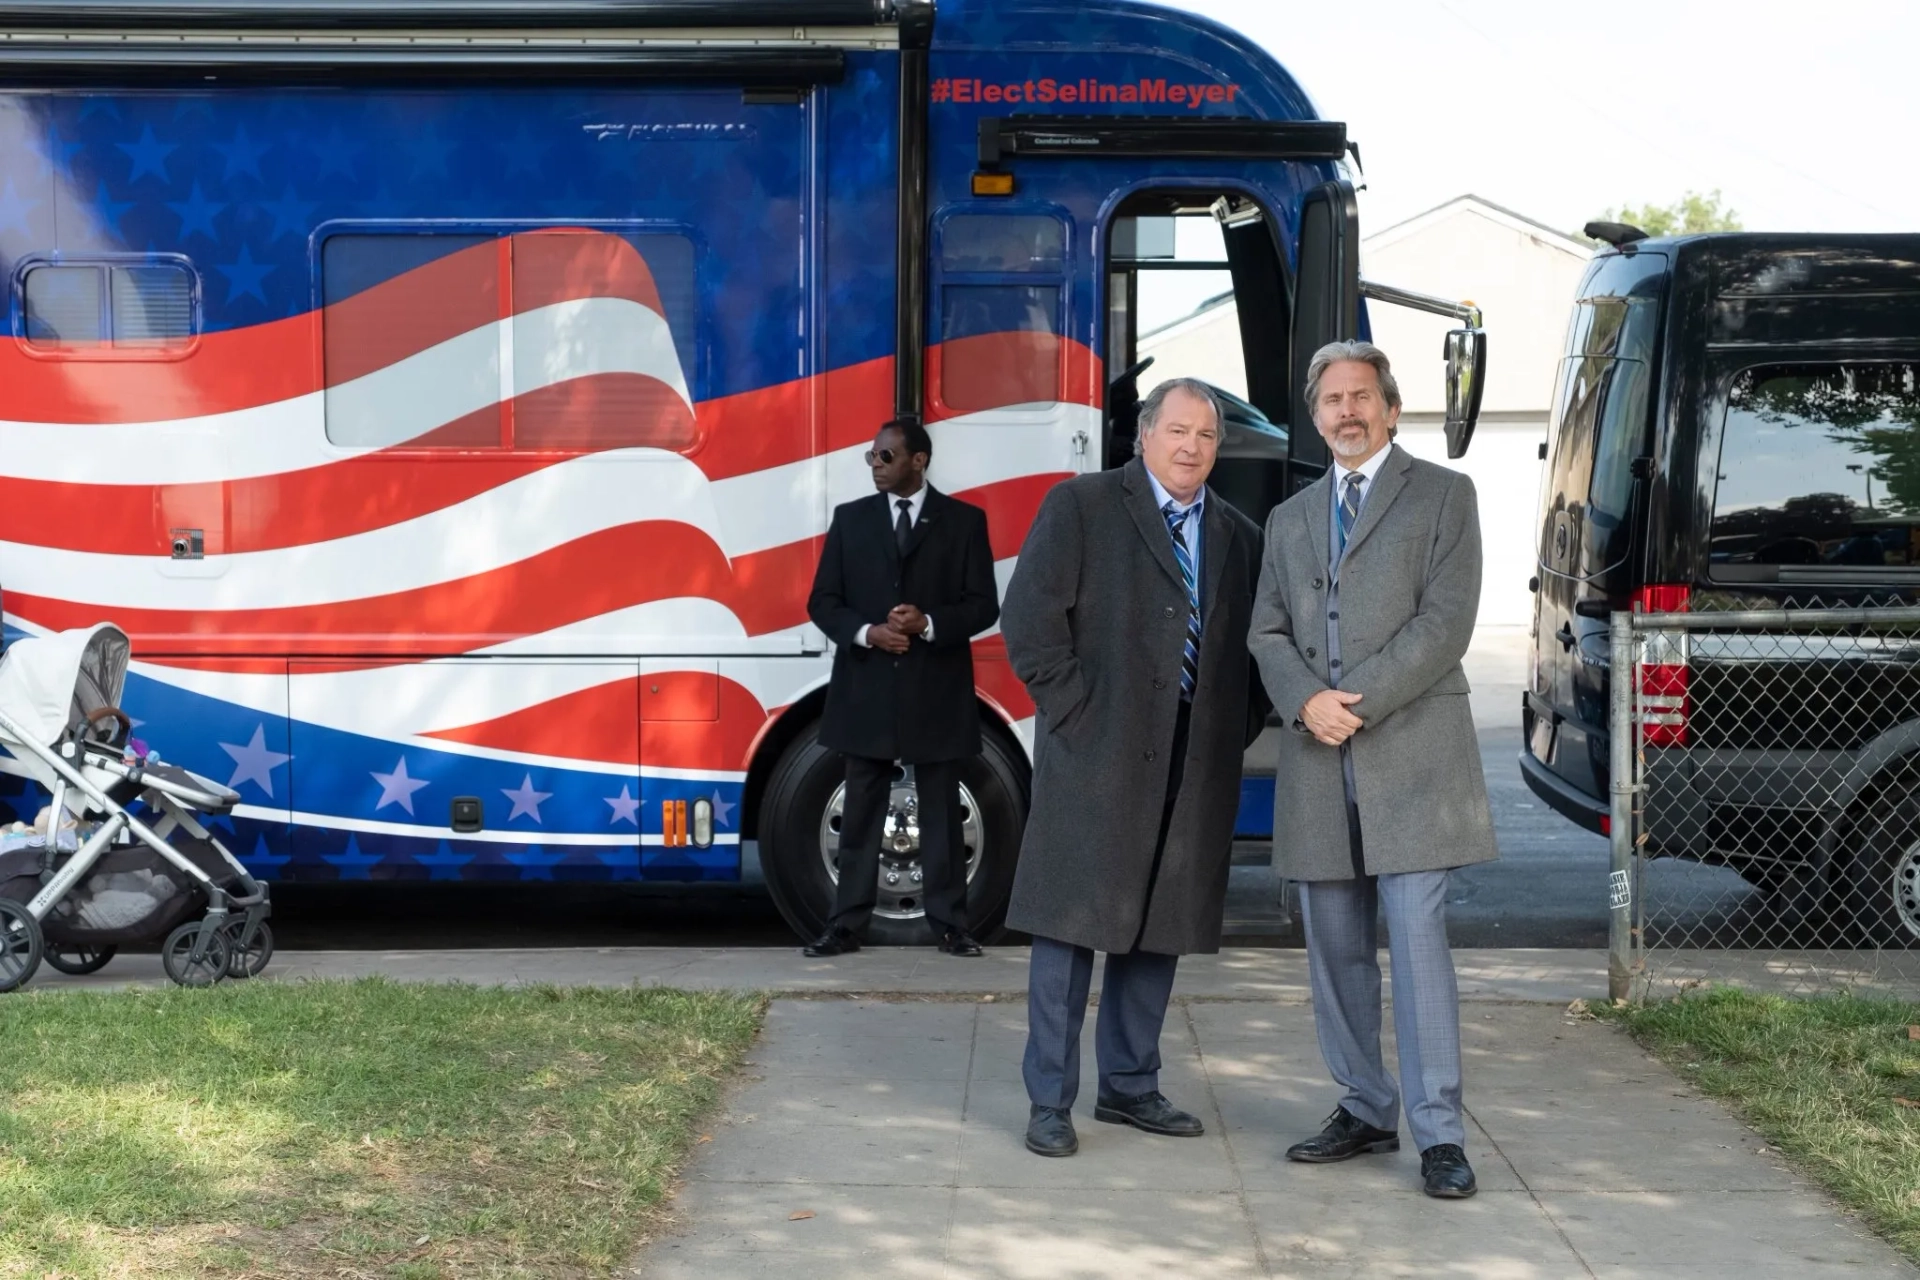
[(917, 706)]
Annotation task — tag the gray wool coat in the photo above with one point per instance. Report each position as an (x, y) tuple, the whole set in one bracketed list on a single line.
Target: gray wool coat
[(1409, 587), (1095, 624)]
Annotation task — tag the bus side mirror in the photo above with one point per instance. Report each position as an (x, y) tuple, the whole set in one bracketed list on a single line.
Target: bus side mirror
[(1466, 353)]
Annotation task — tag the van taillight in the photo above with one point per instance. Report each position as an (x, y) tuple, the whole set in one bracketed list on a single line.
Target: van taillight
[(1663, 670)]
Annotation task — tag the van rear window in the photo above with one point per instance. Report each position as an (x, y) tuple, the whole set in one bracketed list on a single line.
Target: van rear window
[(1819, 466)]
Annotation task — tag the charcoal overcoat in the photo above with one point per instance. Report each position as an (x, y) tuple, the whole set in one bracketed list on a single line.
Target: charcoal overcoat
[(1095, 624)]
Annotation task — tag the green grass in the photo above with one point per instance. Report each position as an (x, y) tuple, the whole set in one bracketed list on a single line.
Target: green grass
[(1821, 1078), (348, 1129)]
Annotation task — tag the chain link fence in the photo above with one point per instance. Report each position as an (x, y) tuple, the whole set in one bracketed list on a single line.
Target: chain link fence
[(1765, 820)]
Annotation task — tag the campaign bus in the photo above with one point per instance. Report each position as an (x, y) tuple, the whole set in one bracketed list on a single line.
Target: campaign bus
[(449, 397)]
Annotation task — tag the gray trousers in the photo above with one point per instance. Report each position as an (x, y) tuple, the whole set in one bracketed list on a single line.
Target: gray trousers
[(1133, 1005), (1344, 966)]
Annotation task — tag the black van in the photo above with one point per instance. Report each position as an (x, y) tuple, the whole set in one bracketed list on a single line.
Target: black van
[(1736, 425)]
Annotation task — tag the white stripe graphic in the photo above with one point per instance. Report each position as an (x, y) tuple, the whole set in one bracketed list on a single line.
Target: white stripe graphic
[(426, 390)]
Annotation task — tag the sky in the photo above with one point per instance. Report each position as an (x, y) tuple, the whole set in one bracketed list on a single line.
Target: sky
[(1803, 115)]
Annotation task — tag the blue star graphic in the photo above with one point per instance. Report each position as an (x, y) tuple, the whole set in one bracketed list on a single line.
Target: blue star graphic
[(197, 214), (290, 214), (149, 155), (262, 864), (536, 863), (430, 152), (193, 107), (525, 800), (243, 155), (253, 762), (109, 210), (443, 862), (353, 864), (722, 810), (626, 808), (336, 152), (523, 153), (14, 209), (59, 154), (623, 864), (245, 277)]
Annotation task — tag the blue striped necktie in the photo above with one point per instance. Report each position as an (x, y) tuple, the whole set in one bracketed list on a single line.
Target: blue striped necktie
[(1190, 658), (1349, 506)]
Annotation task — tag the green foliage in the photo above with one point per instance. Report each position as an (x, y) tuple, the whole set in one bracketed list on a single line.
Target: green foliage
[(1833, 1082), (1689, 215), (364, 1128)]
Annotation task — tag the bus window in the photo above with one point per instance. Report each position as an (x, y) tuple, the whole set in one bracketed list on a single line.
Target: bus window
[(1002, 284)]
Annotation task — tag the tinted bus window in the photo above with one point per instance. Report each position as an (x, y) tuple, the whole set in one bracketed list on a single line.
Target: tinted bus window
[(1819, 466)]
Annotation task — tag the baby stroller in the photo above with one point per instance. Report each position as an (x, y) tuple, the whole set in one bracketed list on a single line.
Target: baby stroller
[(94, 877)]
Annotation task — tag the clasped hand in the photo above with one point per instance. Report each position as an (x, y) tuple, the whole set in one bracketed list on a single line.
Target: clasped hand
[(1328, 718), (903, 623)]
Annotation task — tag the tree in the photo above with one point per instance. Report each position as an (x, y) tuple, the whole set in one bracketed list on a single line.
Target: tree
[(1689, 215)]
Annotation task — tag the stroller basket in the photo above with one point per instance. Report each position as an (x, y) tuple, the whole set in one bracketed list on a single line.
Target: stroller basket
[(111, 878)]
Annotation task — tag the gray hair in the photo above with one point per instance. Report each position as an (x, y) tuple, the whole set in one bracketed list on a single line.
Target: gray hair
[(1157, 399), (1363, 352)]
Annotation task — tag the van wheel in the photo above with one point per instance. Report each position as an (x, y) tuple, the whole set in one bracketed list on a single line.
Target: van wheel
[(800, 830), (1882, 879)]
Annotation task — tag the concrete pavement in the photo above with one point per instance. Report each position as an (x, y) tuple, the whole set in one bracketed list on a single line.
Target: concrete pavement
[(884, 1104)]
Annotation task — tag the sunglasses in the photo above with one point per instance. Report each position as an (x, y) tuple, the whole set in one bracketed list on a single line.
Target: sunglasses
[(881, 457)]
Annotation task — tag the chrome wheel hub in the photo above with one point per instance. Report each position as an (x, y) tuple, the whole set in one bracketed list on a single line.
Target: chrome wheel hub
[(1906, 889), (901, 874)]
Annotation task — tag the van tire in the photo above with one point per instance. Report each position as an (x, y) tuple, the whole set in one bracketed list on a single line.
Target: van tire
[(799, 791), (1880, 885)]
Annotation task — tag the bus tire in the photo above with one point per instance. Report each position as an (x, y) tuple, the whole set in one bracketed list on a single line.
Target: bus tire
[(801, 811)]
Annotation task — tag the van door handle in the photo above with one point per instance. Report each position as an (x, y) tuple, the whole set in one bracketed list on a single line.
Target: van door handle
[(1565, 636)]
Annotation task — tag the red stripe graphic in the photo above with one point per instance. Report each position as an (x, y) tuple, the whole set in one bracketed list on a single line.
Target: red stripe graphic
[(617, 568)]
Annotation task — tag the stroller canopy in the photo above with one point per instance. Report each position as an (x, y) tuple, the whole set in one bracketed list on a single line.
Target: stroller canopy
[(50, 683)]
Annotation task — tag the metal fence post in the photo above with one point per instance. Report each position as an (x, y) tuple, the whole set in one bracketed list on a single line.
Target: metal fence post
[(1621, 677)]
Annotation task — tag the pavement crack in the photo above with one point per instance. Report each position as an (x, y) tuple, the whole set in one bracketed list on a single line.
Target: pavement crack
[(960, 1148), (1226, 1141), (1527, 1187)]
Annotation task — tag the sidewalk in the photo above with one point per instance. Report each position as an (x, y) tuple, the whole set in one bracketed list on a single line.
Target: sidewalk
[(895, 1121)]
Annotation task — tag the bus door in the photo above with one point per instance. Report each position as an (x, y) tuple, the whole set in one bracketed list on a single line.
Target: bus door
[(1198, 277)]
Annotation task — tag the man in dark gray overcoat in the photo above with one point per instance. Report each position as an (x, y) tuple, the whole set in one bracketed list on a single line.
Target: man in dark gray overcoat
[(1369, 584), (1127, 619)]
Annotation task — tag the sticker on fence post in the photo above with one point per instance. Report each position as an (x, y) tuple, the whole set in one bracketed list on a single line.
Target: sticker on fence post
[(1619, 891)]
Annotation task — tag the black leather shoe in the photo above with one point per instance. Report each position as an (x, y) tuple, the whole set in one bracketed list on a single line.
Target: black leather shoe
[(1050, 1132), (1345, 1137), (958, 942), (1446, 1172), (833, 942), (1150, 1112)]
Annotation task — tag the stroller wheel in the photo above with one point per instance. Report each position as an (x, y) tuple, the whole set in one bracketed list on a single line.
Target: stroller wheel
[(79, 959), (21, 945), (247, 962), (177, 955)]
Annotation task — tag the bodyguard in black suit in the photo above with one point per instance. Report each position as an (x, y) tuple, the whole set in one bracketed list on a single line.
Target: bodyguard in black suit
[(905, 583)]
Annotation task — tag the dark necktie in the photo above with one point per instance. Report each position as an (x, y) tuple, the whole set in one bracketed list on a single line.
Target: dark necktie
[(1349, 506), (1190, 656), (904, 525)]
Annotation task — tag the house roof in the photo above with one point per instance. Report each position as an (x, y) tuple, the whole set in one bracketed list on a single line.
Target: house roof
[(1550, 236)]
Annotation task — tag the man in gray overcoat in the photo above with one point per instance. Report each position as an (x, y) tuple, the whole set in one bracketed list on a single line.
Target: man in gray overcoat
[(1369, 584), (1127, 619)]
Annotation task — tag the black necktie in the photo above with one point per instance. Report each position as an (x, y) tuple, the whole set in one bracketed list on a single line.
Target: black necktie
[(904, 525)]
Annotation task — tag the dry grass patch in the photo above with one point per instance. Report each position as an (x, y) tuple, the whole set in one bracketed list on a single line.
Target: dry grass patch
[(348, 1129)]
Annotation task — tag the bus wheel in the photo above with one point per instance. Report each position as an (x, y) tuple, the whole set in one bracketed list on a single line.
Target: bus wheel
[(800, 833)]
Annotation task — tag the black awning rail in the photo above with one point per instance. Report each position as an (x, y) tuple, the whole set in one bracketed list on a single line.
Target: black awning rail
[(208, 64), (437, 15), (1204, 137)]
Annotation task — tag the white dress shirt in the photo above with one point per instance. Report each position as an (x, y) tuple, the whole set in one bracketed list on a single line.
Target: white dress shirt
[(1366, 471), (915, 500), (1191, 527)]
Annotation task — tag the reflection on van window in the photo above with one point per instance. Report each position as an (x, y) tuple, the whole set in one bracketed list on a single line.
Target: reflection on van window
[(1820, 465)]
